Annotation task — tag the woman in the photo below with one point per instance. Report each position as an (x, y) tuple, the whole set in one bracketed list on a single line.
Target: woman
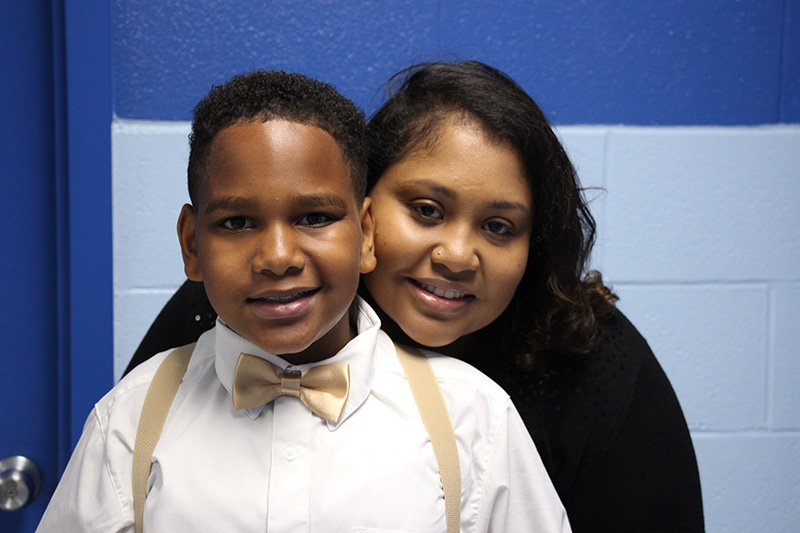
[(482, 239)]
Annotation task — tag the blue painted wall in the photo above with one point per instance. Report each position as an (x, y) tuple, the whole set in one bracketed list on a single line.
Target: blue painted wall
[(671, 62)]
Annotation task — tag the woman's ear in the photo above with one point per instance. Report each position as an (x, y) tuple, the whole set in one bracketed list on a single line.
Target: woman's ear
[(187, 229), (368, 260)]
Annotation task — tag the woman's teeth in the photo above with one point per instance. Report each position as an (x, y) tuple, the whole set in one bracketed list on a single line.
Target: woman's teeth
[(441, 292)]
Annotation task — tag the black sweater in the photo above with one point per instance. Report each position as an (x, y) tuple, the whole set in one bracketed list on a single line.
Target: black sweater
[(608, 425)]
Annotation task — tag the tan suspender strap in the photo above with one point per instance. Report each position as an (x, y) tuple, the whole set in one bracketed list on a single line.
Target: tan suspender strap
[(436, 418), (421, 379), (154, 412)]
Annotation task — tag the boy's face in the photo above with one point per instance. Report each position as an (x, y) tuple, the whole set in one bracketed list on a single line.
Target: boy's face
[(278, 238)]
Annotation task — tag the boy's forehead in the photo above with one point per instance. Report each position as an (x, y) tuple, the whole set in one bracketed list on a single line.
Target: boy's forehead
[(274, 150), (276, 130)]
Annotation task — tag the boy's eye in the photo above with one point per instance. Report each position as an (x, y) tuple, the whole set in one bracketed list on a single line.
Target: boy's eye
[(501, 229), (237, 223), (315, 219), (426, 211)]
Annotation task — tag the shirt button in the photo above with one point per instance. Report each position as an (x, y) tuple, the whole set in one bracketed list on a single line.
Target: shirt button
[(290, 454)]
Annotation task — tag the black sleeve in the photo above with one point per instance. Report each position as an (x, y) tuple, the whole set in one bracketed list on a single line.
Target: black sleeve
[(613, 438), (182, 320)]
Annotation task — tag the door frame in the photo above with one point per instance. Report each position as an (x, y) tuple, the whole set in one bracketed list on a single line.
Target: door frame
[(83, 115)]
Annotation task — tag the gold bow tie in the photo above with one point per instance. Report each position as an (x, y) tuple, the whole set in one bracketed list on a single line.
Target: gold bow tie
[(322, 388)]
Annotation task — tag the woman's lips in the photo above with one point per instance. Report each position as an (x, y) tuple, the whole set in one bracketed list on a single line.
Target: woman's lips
[(443, 293), (438, 298)]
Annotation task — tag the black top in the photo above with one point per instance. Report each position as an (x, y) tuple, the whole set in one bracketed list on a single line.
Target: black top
[(608, 425)]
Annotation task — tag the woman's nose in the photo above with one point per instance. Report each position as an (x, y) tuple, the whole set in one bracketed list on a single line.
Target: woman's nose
[(457, 251)]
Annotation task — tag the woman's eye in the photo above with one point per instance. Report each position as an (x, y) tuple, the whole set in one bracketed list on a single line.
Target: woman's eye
[(427, 211), (236, 223), (496, 227), (315, 219)]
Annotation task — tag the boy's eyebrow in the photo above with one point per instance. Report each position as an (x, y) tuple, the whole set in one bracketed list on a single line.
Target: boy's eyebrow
[(232, 203), (321, 200), (451, 194), (235, 203)]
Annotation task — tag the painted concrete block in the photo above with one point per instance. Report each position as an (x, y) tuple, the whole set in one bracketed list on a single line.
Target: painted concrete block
[(784, 409), (703, 204), (750, 482), (134, 312), (631, 62), (711, 342), (586, 147), (149, 188)]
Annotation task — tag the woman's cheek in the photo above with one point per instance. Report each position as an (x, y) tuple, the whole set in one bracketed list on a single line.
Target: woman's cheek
[(384, 247), (393, 239)]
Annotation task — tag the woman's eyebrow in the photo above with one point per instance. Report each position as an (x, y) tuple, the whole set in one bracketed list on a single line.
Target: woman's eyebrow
[(505, 205), (434, 185), (451, 194)]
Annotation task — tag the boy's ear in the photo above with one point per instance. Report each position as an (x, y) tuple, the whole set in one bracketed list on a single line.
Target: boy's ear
[(368, 260), (187, 224)]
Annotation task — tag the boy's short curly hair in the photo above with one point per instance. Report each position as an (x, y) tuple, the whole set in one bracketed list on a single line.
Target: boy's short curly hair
[(268, 95)]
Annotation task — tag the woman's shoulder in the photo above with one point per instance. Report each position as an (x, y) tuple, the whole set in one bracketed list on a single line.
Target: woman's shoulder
[(635, 440), (186, 316), (594, 385), (611, 419), (574, 409)]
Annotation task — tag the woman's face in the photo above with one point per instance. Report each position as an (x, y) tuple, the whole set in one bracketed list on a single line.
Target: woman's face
[(452, 233)]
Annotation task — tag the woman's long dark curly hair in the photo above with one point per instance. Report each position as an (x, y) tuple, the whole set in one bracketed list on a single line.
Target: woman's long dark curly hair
[(555, 308)]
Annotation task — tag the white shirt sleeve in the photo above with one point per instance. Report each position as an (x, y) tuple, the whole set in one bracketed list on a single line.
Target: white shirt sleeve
[(88, 498), (519, 495)]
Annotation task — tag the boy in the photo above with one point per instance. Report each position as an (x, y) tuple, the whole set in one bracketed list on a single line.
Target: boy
[(279, 232)]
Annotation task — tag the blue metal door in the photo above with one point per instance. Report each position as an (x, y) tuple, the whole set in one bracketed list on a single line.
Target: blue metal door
[(28, 309), (55, 271)]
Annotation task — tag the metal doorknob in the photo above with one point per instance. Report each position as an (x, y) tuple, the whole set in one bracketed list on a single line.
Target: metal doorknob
[(20, 481)]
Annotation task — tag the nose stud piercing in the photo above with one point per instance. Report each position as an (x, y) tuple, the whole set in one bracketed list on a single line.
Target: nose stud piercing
[(438, 252)]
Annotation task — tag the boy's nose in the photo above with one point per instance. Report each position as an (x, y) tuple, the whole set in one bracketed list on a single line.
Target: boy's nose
[(278, 252)]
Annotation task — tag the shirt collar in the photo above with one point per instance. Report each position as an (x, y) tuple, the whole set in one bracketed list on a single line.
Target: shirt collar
[(359, 353)]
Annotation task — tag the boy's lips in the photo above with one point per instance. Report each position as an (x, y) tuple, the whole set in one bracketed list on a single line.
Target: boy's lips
[(283, 304), (282, 296)]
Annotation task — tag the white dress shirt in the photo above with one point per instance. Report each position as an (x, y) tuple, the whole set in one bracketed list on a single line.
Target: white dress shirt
[(281, 468)]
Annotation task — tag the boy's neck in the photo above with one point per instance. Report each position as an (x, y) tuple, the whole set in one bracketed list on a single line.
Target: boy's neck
[(327, 346)]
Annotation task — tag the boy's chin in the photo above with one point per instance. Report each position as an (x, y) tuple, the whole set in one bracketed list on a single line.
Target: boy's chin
[(295, 352), (299, 342)]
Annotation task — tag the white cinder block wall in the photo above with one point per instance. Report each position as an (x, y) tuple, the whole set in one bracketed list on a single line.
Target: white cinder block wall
[(698, 234)]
